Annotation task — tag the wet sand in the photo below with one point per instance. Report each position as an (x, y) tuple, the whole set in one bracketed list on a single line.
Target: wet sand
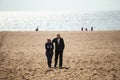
[(87, 56)]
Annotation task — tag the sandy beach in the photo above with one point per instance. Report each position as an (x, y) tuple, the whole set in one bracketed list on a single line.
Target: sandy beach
[(88, 55)]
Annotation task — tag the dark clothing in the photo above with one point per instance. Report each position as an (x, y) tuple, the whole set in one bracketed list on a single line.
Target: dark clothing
[(49, 52), (91, 28), (49, 58), (59, 47), (58, 54)]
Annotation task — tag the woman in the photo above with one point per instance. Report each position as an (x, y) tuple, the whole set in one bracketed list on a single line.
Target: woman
[(49, 52)]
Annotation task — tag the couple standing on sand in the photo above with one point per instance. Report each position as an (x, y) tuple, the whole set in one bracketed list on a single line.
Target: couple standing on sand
[(59, 47)]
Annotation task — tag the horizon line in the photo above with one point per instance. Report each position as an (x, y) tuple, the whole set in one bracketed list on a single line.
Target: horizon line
[(55, 12)]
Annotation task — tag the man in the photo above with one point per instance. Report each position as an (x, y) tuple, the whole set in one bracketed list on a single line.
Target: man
[(59, 47)]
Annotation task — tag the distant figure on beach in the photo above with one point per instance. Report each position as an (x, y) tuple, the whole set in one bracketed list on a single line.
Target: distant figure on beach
[(91, 28), (36, 29), (85, 29), (82, 29), (49, 52), (59, 47)]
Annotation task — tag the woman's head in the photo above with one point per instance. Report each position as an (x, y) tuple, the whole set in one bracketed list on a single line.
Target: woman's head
[(48, 40)]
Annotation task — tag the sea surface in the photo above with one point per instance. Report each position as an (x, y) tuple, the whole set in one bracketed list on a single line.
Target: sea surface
[(102, 20)]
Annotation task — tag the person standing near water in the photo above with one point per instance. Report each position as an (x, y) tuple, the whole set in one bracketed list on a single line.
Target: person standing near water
[(36, 29), (91, 28), (49, 52), (82, 29), (59, 47)]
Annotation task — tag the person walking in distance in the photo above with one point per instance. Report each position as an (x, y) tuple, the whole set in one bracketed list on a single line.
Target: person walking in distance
[(59, 47)]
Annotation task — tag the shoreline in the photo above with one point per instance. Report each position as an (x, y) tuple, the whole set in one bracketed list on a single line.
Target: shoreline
[(65, 31)]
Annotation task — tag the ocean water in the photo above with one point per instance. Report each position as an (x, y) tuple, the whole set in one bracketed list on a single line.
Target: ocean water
[(104, 20)]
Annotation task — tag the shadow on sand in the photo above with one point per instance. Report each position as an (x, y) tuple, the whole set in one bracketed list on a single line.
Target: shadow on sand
[(52, 69), (65, 68)]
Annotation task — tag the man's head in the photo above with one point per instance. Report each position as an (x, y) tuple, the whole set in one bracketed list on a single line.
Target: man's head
[(58, 35)]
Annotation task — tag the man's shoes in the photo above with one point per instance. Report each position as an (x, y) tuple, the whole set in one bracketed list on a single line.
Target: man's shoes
[(60, 67), (55, 67)]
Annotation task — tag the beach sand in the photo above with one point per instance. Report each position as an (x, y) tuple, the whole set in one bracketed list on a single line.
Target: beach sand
[(88, 55)]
